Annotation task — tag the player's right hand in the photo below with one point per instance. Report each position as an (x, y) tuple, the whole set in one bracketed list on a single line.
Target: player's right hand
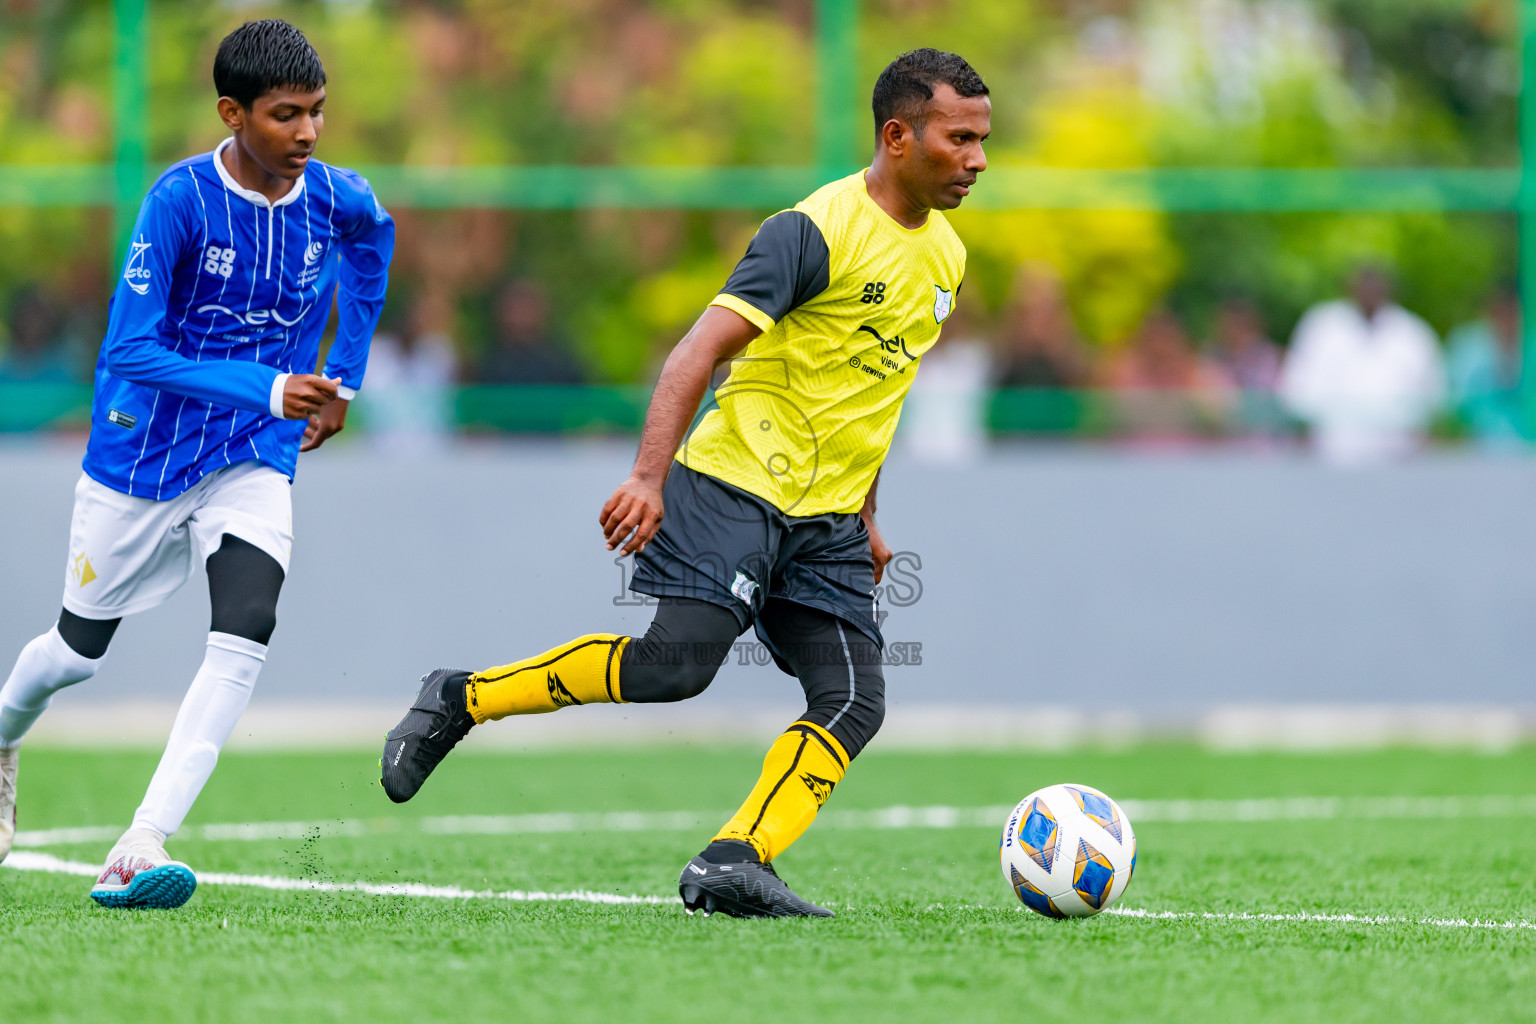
[(305, 394), (879, 551), (634, 512)]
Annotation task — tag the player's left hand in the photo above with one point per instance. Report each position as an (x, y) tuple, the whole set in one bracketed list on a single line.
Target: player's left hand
[(879, 550), (632, 516), (331, 419)]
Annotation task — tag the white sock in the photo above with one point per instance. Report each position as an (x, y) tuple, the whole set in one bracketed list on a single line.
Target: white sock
[(208, 714), (44, 667), (139, 837)]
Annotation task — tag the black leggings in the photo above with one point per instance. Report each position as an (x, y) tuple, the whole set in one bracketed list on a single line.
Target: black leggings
[(243, 584), (838, 667)]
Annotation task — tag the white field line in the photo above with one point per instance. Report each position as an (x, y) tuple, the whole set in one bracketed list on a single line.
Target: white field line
[(24, 860), (1432, 922), (941, 817)]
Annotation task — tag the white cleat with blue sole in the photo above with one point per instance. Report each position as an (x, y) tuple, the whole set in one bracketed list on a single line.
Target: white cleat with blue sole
[(140, 875)]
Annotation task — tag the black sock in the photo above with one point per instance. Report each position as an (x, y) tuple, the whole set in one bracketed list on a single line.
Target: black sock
[(730, 851)]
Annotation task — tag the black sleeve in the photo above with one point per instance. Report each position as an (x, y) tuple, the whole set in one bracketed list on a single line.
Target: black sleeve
[(786, 265)]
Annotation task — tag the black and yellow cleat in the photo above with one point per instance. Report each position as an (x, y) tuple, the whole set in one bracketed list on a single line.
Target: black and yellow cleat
[(434, 725), (740, 888)]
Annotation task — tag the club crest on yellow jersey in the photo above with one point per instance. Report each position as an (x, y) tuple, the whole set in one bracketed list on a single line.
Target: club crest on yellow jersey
[(943, 303)]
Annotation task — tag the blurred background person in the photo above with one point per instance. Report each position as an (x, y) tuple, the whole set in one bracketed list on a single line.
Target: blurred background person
[(35, 353), (524, 348), (1365, 375), (1165, 389), (1484, 367), (944, 415), (1041, 348), (1242, 349), (1251, 362), (412, 370)]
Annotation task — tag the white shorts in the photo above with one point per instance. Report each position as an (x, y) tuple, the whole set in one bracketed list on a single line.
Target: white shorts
[(129, 554)]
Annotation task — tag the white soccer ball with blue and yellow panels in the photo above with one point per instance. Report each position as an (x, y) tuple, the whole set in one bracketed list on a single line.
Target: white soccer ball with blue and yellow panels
[(1068, 851)]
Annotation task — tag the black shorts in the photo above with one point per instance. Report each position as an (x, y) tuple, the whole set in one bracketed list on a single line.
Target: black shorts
[(718, 543)]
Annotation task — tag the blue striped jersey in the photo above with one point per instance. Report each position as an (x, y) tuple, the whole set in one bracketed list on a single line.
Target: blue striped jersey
[(223, 292)]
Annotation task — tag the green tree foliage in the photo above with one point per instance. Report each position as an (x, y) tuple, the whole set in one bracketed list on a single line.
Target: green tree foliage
[(1115, 84)]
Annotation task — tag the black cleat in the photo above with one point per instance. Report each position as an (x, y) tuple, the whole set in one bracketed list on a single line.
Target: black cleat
[(741, 890), (433, 726)]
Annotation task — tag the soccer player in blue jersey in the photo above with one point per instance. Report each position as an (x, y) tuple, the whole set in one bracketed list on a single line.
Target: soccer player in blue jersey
[(204, 398)]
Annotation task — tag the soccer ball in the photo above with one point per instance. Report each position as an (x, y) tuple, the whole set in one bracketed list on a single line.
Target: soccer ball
[(1068, 851)]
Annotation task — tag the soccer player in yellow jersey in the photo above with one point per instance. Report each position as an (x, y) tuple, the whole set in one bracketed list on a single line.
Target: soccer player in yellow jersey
[(765, 515)]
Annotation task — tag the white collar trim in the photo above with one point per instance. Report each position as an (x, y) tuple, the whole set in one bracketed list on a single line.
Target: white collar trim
[(245, 193)]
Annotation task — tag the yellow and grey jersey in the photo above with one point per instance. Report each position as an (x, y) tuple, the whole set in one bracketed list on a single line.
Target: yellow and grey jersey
[(848, 301)]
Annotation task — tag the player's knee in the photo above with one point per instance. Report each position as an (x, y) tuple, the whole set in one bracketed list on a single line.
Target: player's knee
[(873, 716), (857, 723), (655, 673), (679, 654), (852, 714), (694, 677), (243, 583), (249, 616), (89, 638), (261, 625)]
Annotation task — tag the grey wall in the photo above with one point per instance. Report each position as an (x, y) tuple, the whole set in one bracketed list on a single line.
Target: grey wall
[(1088, 578)]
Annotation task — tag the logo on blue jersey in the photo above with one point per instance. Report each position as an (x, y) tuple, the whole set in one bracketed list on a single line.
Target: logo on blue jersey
[(219, 261), (136, 273), (314, 252), (255, 317)]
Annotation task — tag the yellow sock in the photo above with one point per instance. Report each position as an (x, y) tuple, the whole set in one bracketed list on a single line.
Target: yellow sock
[(584, 671), (799, 773)]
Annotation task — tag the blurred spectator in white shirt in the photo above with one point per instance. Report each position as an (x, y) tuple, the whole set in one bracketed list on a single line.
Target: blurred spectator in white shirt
[(1484, 358), (410, 379), (944, 415), (1364, 374)]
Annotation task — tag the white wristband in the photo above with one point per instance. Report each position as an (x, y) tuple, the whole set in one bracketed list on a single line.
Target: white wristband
[(275, 401), (345, 393)]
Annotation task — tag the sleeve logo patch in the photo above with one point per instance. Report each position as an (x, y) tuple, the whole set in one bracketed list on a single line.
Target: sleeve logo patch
[(122, 419), (136, 273), (943, 304)]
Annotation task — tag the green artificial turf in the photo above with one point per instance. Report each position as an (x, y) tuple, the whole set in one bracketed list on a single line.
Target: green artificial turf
[(926, 927)]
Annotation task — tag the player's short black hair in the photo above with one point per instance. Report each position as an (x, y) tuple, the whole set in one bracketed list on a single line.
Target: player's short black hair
[(907, 84), (263, 55)]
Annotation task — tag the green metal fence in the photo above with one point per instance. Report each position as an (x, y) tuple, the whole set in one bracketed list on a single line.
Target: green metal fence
[(840, 146), (839, 150), (607, 410)]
